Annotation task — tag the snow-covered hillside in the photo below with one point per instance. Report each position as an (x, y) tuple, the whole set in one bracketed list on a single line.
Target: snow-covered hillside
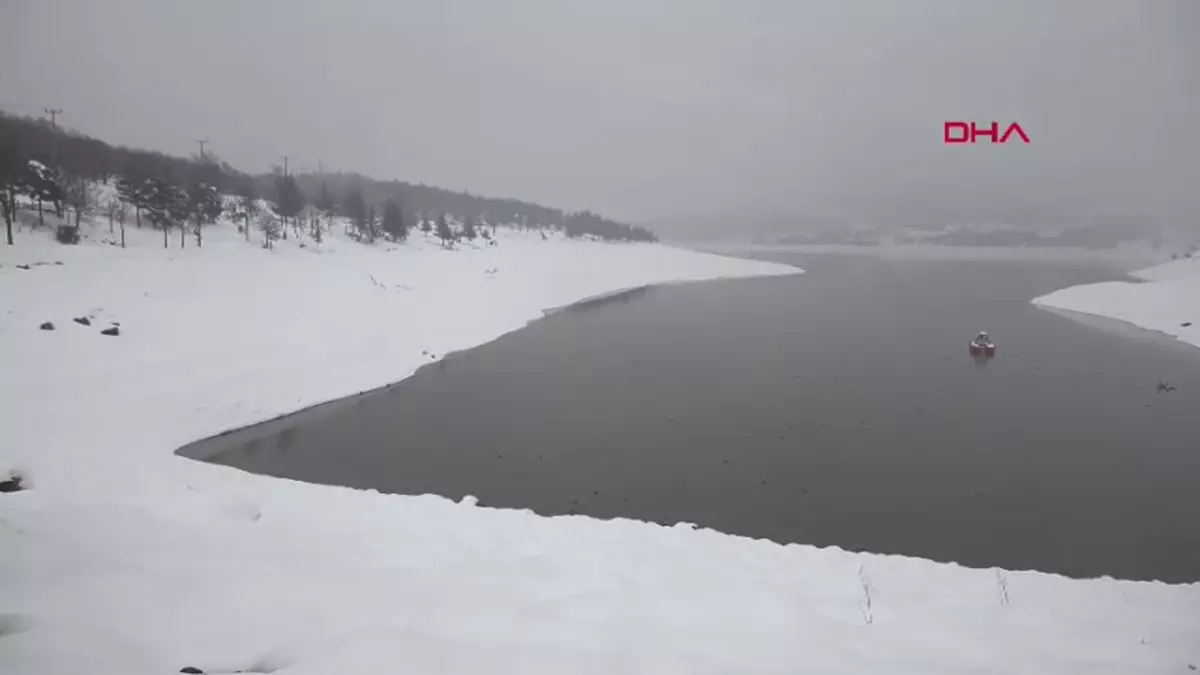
[(1166, 300), (124, 559)]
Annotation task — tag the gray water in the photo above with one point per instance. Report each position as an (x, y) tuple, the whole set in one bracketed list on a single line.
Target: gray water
[(838, 407)]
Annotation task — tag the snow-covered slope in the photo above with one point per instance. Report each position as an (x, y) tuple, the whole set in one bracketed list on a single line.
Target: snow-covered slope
[(1168, 300), (125, 559)]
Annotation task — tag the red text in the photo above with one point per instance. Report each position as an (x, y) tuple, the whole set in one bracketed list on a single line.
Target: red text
[(968, 132)]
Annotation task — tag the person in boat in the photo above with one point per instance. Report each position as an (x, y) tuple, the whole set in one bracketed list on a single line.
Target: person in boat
[(983, 339)]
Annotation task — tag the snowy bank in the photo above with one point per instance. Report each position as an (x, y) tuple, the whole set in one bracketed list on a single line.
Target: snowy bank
[(125, 559), (1167, 299)]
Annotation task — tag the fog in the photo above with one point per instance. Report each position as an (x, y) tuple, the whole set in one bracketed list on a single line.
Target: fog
[(650, 110)]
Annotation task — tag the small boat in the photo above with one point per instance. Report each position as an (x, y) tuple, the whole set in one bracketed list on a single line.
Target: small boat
[(982, 345)]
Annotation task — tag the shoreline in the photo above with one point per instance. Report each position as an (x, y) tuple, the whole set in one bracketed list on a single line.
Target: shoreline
[(143, 561)]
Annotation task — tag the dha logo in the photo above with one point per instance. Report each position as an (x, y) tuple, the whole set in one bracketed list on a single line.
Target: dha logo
[(967, 132)]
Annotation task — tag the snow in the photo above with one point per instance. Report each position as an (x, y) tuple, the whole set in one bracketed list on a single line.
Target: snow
[(125, 559), (1167, 298)]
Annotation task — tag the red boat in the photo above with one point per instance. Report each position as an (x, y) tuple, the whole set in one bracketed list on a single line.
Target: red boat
[(982, 345)]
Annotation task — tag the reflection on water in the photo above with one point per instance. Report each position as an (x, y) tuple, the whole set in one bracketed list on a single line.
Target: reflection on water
[(834, 408)]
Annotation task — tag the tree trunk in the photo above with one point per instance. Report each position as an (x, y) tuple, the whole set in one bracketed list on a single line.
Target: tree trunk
[(199, 227), (41, 213), (183, 234), (166, 233), (122, 233), (8, 205), (247, 227), (138, 211)]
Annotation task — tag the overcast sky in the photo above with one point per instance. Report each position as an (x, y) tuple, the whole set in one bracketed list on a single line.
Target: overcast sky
[(646, 108)]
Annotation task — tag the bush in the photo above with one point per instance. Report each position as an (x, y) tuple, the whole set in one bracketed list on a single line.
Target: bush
[(67, 234)]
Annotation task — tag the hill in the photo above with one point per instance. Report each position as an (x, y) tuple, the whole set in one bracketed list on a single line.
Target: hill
[(77, 160)]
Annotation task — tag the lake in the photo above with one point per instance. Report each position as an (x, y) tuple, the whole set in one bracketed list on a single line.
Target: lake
[(839, 407)]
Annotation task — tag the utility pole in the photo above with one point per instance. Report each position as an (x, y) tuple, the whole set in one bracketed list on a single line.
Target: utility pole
[(285, 169), (53, 113), (202, 142)]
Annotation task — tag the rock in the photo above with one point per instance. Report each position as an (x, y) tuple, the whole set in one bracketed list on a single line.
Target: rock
[(23, 267), (13, 484), (191, 670), (114, 331), (1164, 387), (47, 326), (1185, 324), (83, 321)]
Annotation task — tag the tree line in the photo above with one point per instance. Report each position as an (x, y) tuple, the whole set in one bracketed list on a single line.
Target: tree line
[(58, 169)]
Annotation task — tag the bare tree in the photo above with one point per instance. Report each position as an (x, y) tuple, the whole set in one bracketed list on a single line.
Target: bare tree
[(247, 206), (11, 173), (271, 228), (80, 194)]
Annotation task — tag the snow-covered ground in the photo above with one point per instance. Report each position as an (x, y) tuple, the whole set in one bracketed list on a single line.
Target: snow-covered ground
[(1167, 299), (123, 559)]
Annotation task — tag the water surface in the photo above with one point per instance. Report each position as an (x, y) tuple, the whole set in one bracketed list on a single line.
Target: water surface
[(838, 407)]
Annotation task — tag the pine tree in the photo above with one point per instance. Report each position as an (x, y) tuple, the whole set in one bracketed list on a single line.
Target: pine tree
[(443, 230), (356, 211), (290, 199), (426, 224), (372, 231), (158, 196), (393, 221), (468, 229), (204, 202), (41, 183)]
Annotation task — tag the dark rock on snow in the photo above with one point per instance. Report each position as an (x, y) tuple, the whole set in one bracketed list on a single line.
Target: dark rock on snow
[(47, 326), (191, 671), (1185, 324), (23, 267), (114, 331), (13, 484), (83, 321)]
